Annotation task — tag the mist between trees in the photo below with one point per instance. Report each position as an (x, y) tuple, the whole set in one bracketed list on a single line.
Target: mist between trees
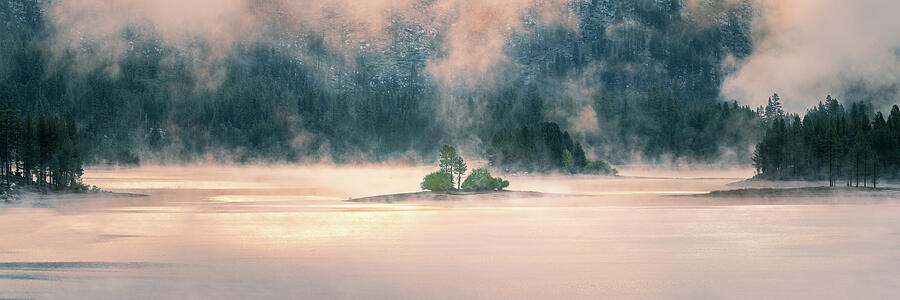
[(625, 80), (629, 80)]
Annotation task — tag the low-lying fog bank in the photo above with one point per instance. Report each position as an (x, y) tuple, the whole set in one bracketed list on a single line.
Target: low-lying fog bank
[(357, 181)]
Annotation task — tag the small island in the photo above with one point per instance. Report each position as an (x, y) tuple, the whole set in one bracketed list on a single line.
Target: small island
[(452, 164), (447, 184)]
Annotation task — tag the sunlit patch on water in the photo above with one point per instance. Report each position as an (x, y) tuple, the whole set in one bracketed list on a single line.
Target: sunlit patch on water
[(268, 198), (155, 209), (650, 193), (377, 207), (115, 184)]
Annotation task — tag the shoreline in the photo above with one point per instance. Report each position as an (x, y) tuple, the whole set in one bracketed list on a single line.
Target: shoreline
[(815, 191), (456, 196), (17, 194)]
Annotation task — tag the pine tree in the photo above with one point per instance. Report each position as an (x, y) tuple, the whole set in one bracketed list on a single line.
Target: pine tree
[(447, 160), (28, 149), (5, 128), (459, 166), (568, 164), (773, 109), (579, 157)]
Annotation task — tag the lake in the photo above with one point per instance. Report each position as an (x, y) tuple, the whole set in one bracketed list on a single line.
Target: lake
[(267, 232)]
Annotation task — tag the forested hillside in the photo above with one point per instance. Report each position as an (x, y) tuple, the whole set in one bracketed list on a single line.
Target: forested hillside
[(632, 79)]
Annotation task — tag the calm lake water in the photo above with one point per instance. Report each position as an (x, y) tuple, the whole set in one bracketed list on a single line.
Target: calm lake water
[(285, 232)]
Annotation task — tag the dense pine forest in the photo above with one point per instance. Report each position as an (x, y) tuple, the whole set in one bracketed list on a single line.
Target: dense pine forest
[(852, 145), (634, 80), (542, 148), (44, 152)]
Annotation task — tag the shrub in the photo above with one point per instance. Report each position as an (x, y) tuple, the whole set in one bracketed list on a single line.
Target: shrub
[(439, 181), (481, 180), (600, 167)]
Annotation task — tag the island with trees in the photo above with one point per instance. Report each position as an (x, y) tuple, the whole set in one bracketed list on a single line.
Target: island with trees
[(452, 164), (447, 183)]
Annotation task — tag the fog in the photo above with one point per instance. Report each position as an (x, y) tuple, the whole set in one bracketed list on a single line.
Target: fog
[(807, 49), (284, 231), (803, 49), (472, 34)]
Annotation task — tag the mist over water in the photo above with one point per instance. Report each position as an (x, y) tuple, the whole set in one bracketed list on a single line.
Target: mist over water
[(248, 82), (284, 232)]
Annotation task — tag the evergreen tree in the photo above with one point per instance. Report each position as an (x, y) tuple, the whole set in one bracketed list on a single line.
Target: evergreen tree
[(459, 166), (831, 142), (579, 157), (29, 156), (50, 151), (568, 163), (448, 160), (773, 109), (551, 150)]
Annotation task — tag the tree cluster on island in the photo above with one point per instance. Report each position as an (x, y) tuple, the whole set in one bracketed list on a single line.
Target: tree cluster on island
[(855, 145), (542, 148), (45, 152), (452, 164)]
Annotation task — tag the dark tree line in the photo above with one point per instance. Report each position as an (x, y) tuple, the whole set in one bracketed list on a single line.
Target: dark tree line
[(44, 152), (541, 148), (855, 146), (660, 127)]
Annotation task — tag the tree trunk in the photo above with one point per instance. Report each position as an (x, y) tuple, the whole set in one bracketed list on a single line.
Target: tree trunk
[(874, 173), (865, 177), (451, 175), (830, 173)]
